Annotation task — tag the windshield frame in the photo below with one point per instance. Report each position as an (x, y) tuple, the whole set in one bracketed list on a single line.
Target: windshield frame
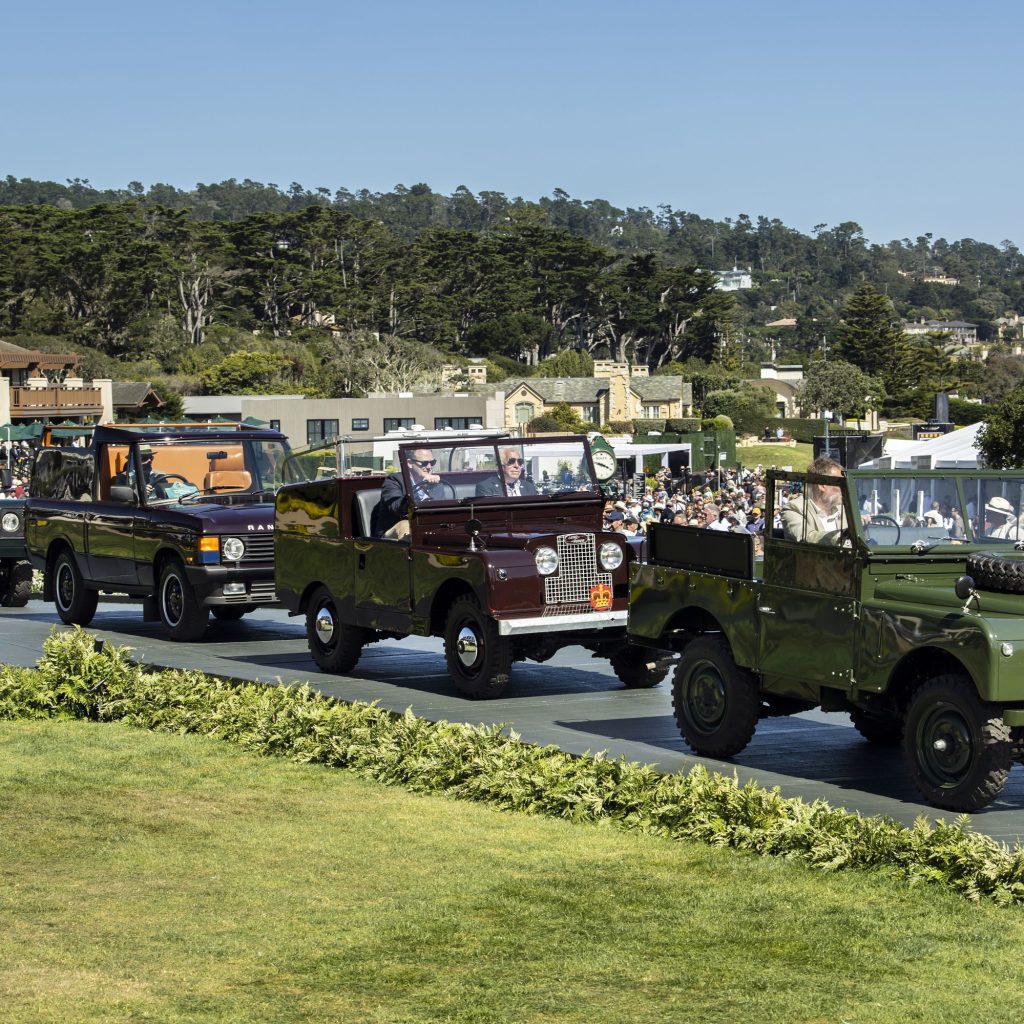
[(569, 454)]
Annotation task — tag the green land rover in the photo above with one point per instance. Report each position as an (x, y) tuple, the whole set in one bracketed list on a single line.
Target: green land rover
[(905, 609)]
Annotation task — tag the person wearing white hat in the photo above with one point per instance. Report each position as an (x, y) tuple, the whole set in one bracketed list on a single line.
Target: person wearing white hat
[(1000, 519)]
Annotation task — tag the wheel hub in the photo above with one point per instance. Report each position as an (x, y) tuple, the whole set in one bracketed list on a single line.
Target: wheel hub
[(948, 747), (173, 600), (324, 626), (467, 646), (706, 697), (65, 586)]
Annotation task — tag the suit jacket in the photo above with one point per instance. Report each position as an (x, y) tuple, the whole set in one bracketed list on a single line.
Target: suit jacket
[(803, 520), (492, 487), (394, 501)]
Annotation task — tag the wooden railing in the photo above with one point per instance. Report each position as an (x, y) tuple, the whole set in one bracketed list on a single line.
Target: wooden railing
[(30, 402)]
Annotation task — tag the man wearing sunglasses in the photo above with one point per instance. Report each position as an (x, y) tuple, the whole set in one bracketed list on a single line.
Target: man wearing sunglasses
[(512, 481), (391, 521)]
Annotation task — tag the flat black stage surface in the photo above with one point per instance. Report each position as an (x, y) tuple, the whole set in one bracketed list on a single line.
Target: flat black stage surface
[(572, 701)]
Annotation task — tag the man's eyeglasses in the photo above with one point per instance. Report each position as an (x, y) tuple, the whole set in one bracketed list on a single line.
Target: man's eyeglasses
[(515, 462), (424, 463)]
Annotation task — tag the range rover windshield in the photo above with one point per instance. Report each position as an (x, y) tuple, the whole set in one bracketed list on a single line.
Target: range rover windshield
[(234, 469), (507, 470)]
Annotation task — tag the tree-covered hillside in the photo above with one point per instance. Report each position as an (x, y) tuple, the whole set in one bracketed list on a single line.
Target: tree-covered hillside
[(176, 281)]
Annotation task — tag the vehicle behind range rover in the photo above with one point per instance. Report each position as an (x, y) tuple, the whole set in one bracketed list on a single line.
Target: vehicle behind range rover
[(182, 518)]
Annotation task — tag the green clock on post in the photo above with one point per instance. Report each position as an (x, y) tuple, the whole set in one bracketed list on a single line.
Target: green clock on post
[(603, 454)]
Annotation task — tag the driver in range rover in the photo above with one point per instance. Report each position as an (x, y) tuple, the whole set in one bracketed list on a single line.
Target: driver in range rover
[(152, 481)]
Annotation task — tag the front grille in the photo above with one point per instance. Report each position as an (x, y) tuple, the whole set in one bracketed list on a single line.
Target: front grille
[(577, 571), (262, 591), (258, 548)]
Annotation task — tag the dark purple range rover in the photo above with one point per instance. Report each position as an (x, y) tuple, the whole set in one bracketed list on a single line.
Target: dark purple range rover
[(181, 518)]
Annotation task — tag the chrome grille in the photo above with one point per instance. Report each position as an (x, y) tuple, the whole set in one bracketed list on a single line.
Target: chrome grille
[(577, 571)]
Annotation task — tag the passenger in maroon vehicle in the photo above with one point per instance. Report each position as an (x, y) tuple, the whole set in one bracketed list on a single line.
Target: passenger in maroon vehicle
[(512, 467)]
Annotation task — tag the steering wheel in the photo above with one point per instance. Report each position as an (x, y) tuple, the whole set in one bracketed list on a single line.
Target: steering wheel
[(884, 520), (159, 485), (448, 487)]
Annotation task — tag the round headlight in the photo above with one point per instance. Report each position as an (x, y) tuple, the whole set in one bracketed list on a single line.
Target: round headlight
[(610, 556), (10, 522), (232, 549), (547, 560)]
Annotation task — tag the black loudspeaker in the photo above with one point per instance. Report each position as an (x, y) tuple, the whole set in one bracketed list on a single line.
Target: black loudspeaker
[(850, 450)]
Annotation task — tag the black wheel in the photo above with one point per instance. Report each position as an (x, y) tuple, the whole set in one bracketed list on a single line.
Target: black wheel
[(991, 571), (19, 585), (880, 729), (75, 605), (183, 616), (479, 658), (638, 668), (335, 646), (716, 703), (229, 612), (958, 749)]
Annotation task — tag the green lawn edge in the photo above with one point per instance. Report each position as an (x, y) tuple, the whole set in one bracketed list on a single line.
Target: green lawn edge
[(80, 678)]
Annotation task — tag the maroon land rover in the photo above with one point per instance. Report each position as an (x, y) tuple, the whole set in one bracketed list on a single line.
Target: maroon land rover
[(497, 546)]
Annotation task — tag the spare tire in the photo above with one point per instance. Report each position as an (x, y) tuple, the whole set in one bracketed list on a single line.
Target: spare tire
[(993, 571)]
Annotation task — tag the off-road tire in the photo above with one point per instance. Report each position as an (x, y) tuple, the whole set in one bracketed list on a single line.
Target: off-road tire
[(335, 646), (228, 612), (992, 571), (715, 702), (183, 616), (479, 658), (638, 668), (880, 729), (19, 585), (75, 605), (969, 770)]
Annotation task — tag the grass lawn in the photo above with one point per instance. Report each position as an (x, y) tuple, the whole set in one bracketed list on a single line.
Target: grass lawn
[(148, 877), (779, 455)]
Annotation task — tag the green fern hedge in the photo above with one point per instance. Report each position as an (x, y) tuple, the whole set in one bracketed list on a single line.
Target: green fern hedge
[(78, 678)]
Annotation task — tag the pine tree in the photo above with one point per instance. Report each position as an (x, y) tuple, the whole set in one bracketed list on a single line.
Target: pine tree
[(870, 336)]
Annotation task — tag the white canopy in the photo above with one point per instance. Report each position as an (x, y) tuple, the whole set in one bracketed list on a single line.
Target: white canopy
[(955, 450)]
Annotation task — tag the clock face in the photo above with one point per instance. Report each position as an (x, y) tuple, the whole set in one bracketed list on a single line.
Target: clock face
[(604, 464)]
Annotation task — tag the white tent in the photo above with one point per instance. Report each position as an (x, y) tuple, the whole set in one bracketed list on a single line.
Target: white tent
[(628, 450), (955, 450)]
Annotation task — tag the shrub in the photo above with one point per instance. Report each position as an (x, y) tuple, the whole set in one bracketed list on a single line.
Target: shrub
[(80, 678), (645, 426), (689, 425)]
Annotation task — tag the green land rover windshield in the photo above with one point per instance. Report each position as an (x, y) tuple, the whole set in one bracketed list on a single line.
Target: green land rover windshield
[(901, 510)]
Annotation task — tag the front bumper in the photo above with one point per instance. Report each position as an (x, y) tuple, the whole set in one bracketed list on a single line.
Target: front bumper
[(208, 582), (579, 622)]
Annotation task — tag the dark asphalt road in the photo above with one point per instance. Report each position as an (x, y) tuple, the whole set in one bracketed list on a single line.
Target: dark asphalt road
[(572, 701)]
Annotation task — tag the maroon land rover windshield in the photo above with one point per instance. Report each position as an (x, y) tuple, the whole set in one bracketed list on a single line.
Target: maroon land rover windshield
[(510, 470)]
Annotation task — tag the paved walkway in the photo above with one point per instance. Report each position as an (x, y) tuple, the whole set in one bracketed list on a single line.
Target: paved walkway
[(572, 701)]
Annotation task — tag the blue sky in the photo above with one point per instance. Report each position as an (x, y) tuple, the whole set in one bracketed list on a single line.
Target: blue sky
[(903, 116)]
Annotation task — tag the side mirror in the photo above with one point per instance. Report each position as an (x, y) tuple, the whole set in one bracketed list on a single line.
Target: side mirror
[(473, 528), (965, 589), (122, 495)]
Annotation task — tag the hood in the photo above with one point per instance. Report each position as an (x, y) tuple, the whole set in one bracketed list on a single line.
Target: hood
[(214, 518)]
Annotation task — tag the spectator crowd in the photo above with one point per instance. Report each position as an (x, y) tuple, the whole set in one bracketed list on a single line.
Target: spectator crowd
[(15, 468), (728, 500)]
